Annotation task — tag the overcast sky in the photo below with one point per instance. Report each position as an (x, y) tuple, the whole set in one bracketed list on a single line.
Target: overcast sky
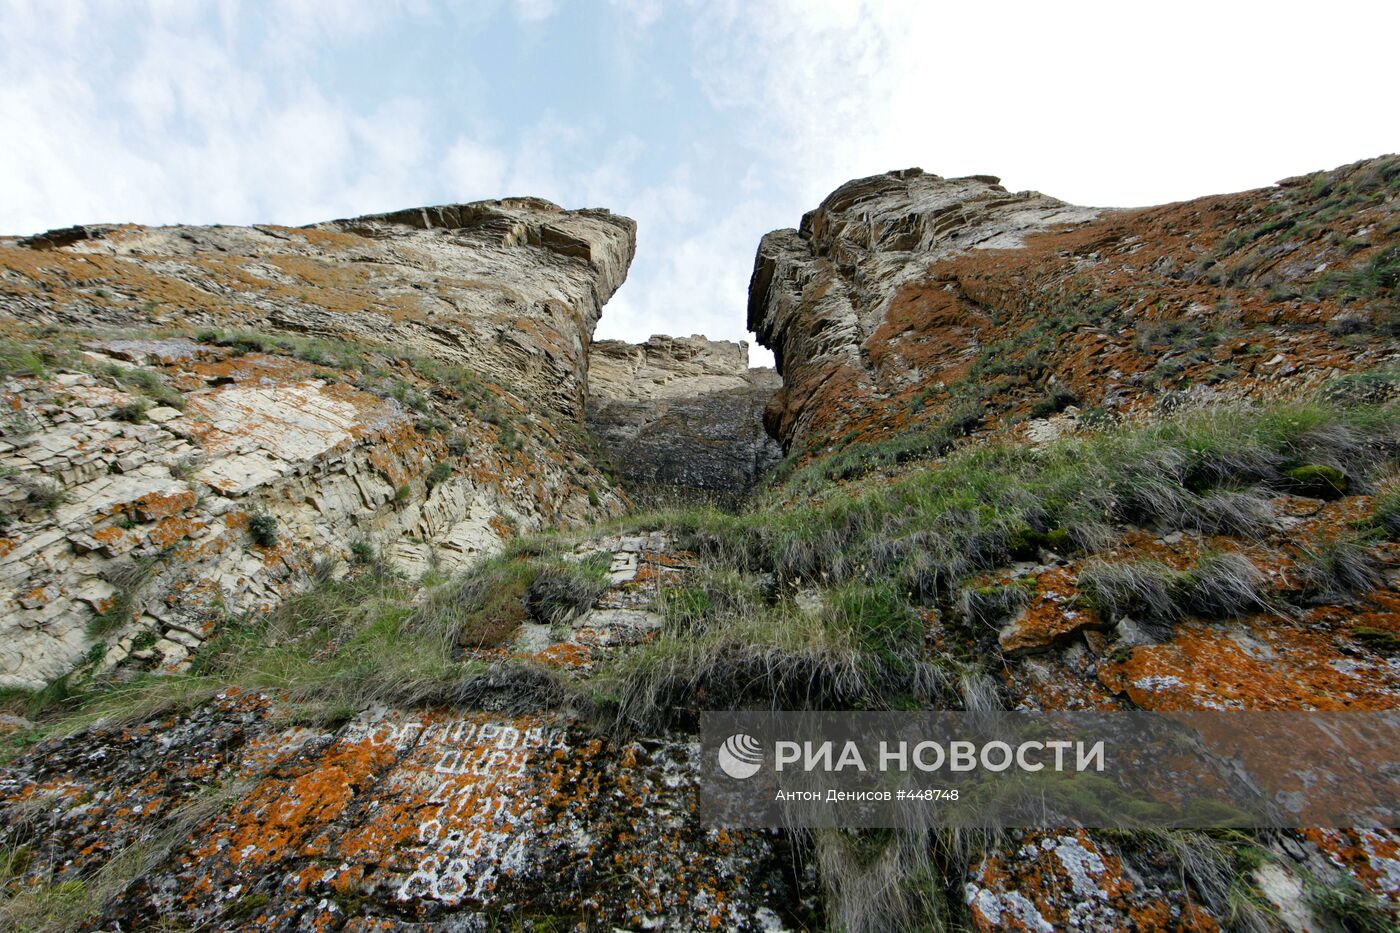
[(709, 122)]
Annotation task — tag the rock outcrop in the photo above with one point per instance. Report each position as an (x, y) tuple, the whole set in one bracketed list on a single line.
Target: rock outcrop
[(195, 415), (504, 810), (511, 288), (682, 412), (912, 315), (191, 426), (908, 301), (820, 293)]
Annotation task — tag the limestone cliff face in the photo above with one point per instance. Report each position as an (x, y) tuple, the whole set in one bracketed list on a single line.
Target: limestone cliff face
[(907, 300), (819, 293), (682, 412), (195, 415), (512, 288)]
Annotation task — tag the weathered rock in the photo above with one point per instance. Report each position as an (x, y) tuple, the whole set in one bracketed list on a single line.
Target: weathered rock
[(908, 301), (462, 820), (682, 411), (251, 465), (819, 293), (512, 288)]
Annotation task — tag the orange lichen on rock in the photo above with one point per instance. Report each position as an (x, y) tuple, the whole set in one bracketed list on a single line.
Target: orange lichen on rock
[(1051, 616), (1262, 662)]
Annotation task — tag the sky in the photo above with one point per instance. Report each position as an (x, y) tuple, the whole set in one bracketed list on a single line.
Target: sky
[(710, 123)]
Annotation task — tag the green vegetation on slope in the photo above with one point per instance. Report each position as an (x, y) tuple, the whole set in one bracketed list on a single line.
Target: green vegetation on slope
[(813, 597), (817, 596)]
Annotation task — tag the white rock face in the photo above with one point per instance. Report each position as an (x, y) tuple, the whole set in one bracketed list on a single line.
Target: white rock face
[(665, 367), (147, 524), (128, 526)]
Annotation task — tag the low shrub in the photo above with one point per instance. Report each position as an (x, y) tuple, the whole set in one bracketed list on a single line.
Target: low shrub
[(1053, 403), (363, 552), (262, 528), (564, 589), (132, 413)]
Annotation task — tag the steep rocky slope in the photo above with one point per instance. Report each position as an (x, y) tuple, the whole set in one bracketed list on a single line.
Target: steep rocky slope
[(907, 300), (1196, 385), (1038, 457), (682, 412), (197, 413)]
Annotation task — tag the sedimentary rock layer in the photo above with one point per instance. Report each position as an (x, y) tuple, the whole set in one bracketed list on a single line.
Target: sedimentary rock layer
[(907, 300), (512, 288), (196, 415), (681, 412)]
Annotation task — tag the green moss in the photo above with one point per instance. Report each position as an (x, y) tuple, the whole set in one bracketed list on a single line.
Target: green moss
[(1317, 481), (1026, 544), (246, 907), (1379, 639)]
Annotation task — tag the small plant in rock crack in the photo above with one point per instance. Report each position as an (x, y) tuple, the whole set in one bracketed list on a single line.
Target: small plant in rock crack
[(133, 413), (438, 474), (1340, 568), (129, 578), (362, 552), (992, 605), (44, 495), (262, 528)]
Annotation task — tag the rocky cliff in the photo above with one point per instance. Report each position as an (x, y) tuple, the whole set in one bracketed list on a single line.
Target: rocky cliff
[(1040, 458), (1089, 404), (682, 412), (907, 299), (196, 414)]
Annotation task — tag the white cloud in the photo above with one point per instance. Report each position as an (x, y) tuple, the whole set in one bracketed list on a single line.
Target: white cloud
[(534, 11), (1096, 102), (473, 171)]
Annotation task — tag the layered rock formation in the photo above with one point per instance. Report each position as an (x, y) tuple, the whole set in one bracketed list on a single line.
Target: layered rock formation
[(913, 315), (907, 300), (196, 414), (681, 412), (513, 745), (820, 293), (511, 288), (505, 810)]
